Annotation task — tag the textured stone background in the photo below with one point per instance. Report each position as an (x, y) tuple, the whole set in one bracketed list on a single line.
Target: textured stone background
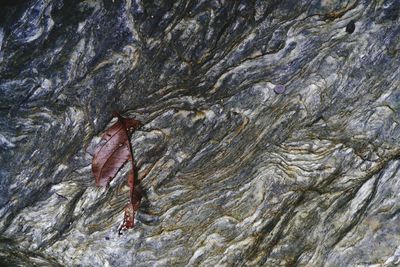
[(233, 174)]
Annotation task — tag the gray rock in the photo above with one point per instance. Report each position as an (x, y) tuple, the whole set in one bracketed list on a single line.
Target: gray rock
[(233, 174)]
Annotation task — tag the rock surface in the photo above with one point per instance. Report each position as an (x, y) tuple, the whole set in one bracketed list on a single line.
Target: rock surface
[(233, 173)]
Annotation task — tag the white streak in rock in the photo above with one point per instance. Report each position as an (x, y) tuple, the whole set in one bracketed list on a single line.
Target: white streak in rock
[(5, 143)]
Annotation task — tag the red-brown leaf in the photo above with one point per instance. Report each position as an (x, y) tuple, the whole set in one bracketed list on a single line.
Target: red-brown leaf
[(109, 158), (113, 151), (131, 181), (130, 210)]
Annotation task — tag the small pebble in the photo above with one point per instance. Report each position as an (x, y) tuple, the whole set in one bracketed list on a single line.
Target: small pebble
[(351, 26), (279, 89)]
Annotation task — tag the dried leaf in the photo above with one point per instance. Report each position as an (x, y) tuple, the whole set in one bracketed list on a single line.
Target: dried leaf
[(113, 152), (130, 211)]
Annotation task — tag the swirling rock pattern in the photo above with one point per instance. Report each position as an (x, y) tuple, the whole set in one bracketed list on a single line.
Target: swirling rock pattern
[(233, 173)]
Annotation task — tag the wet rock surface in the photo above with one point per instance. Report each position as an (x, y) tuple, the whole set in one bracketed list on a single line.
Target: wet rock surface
[(233, 173)]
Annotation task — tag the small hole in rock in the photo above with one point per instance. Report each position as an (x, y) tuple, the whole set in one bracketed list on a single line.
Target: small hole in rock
[(351, 26)]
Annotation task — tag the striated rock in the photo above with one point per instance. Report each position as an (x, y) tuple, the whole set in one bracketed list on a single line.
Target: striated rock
[(233, 173)]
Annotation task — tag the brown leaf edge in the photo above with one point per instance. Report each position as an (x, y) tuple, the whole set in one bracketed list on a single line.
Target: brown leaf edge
[(127, 126), (135, 195)]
